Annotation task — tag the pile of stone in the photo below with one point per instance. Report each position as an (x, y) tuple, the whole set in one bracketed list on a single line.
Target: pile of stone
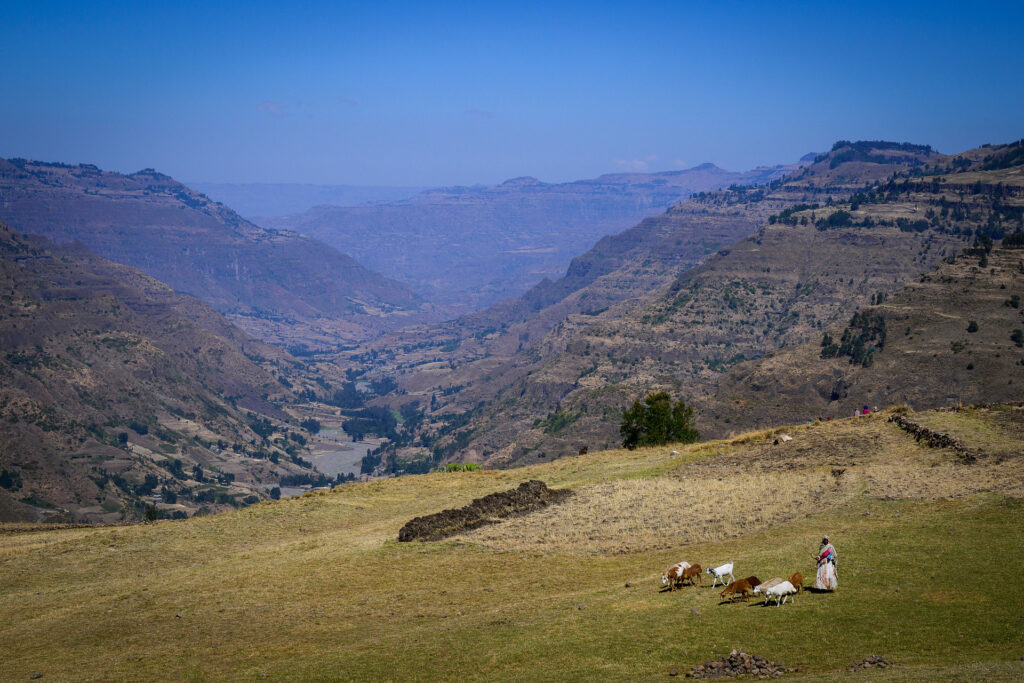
[(739, 663), (932, 438), (870, 663), (529, 496)]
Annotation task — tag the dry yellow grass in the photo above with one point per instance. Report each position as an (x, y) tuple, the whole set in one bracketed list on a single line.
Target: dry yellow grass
[(317, 588), (995, 432), (661, 512), (756, 484)]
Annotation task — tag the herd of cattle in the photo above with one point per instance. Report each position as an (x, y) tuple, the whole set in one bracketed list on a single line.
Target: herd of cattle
[(683, 573)]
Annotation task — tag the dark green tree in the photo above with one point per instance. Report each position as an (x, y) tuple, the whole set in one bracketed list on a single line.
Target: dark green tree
[(657, 420)]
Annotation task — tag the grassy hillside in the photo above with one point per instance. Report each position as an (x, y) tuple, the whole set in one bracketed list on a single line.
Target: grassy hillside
[(318, 588)]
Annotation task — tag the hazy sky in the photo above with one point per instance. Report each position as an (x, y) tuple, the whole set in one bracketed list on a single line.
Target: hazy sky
[(460, 93)]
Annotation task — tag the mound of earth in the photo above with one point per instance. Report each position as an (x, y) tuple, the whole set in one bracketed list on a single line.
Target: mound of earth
[(527, 497), (738, 663)]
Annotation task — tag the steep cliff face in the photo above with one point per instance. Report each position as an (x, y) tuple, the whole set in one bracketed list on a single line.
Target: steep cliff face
[(267, 280)]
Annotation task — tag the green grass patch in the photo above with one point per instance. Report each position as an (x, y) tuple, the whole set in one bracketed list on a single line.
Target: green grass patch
[(317, 587)]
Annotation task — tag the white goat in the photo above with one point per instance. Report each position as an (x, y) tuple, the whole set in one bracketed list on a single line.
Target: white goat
[(719, 574), (762, 587), (780, 592)]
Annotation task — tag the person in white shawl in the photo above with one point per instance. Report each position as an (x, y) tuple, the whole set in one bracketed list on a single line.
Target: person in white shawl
[(828, 563)]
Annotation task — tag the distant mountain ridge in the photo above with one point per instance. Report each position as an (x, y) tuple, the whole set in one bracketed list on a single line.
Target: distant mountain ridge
[(466, 248), (280, 286), (257, 201)]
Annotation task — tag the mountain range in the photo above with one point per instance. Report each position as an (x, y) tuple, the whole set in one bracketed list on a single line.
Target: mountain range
[(280, 286), (260, 201), (853, 228), (878, 272), (464, 248)]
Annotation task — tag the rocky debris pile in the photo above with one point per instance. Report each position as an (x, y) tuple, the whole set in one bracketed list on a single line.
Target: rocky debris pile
[(529, 496), (870, 663), (931, 437), (739, 663)]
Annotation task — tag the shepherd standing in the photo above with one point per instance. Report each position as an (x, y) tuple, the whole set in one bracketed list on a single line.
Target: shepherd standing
[(828, 561)]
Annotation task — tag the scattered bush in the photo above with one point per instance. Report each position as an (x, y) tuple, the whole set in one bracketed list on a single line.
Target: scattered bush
[(656, 420), (461, 467), (861, 339), (1014, 241), (262, 426), (10, 480), (147, 486)]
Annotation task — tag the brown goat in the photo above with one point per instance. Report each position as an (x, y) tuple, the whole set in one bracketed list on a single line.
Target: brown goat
[(693, 574), (753, 581), (673, 576), (797, 580), (740, 587)]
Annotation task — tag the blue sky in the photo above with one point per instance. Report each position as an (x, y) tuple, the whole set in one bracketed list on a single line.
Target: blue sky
[(461, 93)]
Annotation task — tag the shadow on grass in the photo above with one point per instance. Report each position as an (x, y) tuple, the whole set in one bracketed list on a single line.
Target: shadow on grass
[(666, 589), (732, 602), (762, 603)]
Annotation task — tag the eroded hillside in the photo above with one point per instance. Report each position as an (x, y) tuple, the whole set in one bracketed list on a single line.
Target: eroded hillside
[(118, 392), (954, 336), (852, 228)]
